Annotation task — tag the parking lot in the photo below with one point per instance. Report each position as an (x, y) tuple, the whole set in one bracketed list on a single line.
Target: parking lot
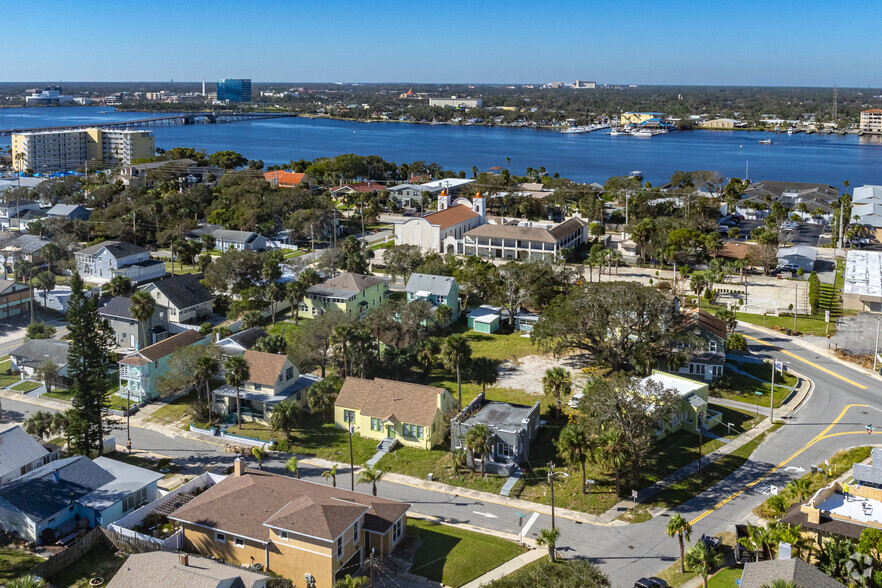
[(806, 234)]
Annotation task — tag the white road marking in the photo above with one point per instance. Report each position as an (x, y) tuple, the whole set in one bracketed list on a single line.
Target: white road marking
[(485, 514), (529, 524)]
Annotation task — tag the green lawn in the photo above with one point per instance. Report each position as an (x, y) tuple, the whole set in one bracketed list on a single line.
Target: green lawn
[(59, 394), (455, 556), (25, 386), (188, 269), (145, 462), (6, 379), (324, 441), (732, 386), (674, 577), (725, 578), (14, 563), (100, 562), (498, 346), (813, 325)]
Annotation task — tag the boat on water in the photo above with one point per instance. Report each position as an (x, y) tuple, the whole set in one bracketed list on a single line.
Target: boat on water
[(642, 133), (765, 142), (576, 130), (617, 132)]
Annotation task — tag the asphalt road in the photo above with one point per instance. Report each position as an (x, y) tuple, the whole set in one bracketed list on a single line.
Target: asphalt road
[(833, 417)]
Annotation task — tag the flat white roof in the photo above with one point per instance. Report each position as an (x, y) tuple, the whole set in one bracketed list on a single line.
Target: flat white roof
[(863, 273), (448, 183), (485, 314), (682, 386), (862, 510)]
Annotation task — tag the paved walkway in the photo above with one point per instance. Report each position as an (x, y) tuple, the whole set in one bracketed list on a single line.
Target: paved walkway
[(508, 567)]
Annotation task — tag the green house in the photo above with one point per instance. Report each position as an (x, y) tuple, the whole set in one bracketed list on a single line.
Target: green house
[(485, 319), (354, 294), (692, 408)]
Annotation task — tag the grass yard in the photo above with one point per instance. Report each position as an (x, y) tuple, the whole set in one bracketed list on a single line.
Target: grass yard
[(62, 394), (7, 379), (145, 462), (733, 386), (673, 577), (497, 346), (25, 386), (15, 563), (813, 325), (188, 269), (725, 578), (450, 555), (174, 412), (100, 562), (324, 441)]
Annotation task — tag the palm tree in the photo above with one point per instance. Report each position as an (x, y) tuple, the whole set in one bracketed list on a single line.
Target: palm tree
[(612, 452), (574, 445), (557, 382), (455, 353), (370, 475), (251, 318), (781, 583), (204, 370), (291, 466), (443, 316), (61, 424), (141, 309), (484, 372), (681, 528), (477, 440), (351, 582), (237, 374), (340, 337), (799, 489), (331, 475), (459, 457), (703, 559), (426, 351), (285, 416), (549, 537), (259, 454), (119, 285), (39, 424)]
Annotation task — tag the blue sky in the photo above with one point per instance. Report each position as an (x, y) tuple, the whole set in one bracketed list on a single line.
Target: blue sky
[(727, 42)]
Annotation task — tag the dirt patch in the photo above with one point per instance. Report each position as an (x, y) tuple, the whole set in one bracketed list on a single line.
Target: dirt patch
[(526, 373)]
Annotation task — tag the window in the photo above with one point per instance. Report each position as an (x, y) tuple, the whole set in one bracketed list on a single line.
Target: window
[(220, 537), (712, 346), (239, 542), (339, 547), (376, 425), (289, 373), (349, 416), (355, 532), (256, 386), (135, 499), (283, 535), (414, 431), (503, 449), (396, 531), (717, 370)]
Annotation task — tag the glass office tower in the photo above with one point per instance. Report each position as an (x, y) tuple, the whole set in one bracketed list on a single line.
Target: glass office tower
[(238, 90)]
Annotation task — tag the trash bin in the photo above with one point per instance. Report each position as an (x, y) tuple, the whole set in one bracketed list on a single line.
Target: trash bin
[(431, 476), (814, 469), (788, 331)]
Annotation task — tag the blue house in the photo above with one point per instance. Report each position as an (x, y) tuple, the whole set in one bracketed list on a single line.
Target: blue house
[(485, 319), (54, 502), (436, 290)]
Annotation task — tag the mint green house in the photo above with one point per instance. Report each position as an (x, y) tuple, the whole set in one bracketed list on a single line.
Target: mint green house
[(436, 290), (485, 319), (354, 294), (692, 407), (139, 371)]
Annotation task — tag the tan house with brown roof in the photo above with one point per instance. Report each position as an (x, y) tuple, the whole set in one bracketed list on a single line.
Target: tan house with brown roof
[(297, 529), (525, 240), (272, 378), (139, 371), (388, 409)]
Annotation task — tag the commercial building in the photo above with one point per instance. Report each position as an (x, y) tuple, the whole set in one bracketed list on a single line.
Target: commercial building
[(863, 281), (51, 151), (871, 121), (456, 102), (525, 240), (640, 118), (583, 85), (722, 123), (310, 533), (50, 96), (234, 90)]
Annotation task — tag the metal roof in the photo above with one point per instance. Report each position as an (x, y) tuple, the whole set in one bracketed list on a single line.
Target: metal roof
[(17, 449), (437, 285), (863, 273)]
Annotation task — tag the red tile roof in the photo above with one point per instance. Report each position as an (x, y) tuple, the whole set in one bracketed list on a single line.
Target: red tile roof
[(451, 216), (284, 179), (873, 110)]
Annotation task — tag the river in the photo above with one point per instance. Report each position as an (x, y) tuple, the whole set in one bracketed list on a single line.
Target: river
[(585, 158)]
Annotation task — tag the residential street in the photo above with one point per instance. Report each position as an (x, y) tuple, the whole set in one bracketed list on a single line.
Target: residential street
[(833, 417)]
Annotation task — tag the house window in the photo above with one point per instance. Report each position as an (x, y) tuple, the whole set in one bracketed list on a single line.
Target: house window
[(349, 416), (414, 431), (717, 370), (697, 369), (503, 449), (137, 498), (239, 542), (712, 346), (289, 373), (396, 531), (355, 532), (376, 425), (256, 386), (339, 547), (283, 535), (220, 537)]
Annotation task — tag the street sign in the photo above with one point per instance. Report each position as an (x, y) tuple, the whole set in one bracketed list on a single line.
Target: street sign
[(634, 494), (757, 392), (826, 316), (870, 429)]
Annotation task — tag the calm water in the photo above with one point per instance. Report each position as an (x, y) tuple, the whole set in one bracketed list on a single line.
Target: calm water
[(587, 158)]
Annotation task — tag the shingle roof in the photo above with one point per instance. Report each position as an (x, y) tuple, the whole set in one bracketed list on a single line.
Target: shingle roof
[(116, 248), (165, 347), (244, 505), (247, 338), (26, 244), (35, 352), (345, 283), (763, 573), (361, 187), (65, 209), (450, 216), (705, 320), (264, 368), (119, 307), (52, 487), (162, 569), (552, 235), (437, 285), (183, 291), (236, 236), (17, 448), (391, 400)]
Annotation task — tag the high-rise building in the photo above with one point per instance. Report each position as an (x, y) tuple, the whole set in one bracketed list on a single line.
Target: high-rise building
[(230, 90), (871, 121), (52, 151)]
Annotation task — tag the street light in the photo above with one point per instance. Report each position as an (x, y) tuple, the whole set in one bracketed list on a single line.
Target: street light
[(876, 351), (351, 460), (551, 474)]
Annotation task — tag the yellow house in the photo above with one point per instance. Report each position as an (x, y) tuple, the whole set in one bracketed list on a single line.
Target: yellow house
[(354, 294), (636, 118), (272, 378), (310, 533), (388, 409)]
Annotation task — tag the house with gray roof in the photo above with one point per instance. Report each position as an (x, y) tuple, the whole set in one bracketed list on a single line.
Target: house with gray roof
[(20, 453), (801, 256), (28, 357), (354, 294), (101, 262), (183, 296), (436, 290), (239, 343), (240, 240), (69, 211), (53, 502), (16, 246), (14, 208), (764, 573), (161, 569), (128, 333)]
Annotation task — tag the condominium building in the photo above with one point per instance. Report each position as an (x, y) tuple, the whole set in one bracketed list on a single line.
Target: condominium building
[(871, 121), (51, 151), (234, 90), (456, 102)]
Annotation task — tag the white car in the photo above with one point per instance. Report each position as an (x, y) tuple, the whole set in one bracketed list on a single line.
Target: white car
[(575, 400)]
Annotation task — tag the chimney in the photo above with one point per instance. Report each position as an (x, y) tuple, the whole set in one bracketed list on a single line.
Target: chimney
[(239, 467), (185, 560)]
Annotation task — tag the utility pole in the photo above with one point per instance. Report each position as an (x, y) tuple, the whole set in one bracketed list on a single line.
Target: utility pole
[(700, 422), (551, 483), (772, 400), (351, 461), (795, 304), (876, 350)]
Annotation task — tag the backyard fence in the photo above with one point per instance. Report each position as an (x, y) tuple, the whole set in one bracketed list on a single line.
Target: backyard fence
[(78, 550)]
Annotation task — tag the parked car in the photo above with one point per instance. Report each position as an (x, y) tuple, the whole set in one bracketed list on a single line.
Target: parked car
[(728, 220), (737, 216), (650, 583), (724, 228), (713, 542), (575, 400), (789, 267)]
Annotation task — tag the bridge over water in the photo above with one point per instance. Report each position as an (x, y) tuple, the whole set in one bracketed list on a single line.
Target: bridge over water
[(186, 118)]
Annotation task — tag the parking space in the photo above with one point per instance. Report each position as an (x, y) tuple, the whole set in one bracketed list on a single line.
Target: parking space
[(805, 234)]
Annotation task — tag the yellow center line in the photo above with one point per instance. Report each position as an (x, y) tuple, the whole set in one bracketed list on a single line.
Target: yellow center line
[(819, 437), (811, 363)]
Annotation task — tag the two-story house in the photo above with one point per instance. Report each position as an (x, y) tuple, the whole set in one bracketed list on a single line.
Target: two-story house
[(272, 378), (240, 240), (15, 247), (20, 453), (184, 297), (128, 334), (354, 294), (310, 533), (69, 212), (15, 299), (101, 262), (139, 371), (390, 411), (436, 290), (13, 209), (703, 341)]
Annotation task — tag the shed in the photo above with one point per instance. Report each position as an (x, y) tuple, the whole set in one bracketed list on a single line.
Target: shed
[(800, 255), (485, 318), (525, 321)]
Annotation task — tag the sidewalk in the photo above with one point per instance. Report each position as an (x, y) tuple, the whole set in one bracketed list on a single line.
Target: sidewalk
[(507, 568)]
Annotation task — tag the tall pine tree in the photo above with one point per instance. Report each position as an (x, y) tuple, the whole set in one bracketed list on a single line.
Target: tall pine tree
[(87, 359)]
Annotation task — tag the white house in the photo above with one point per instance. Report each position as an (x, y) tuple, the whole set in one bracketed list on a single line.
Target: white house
[(20, 453), (28, 357), (225, 239), (443, 231), (186, 299), (101, 262)]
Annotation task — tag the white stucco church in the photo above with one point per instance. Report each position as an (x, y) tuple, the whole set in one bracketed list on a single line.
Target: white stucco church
[(442, 231)]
